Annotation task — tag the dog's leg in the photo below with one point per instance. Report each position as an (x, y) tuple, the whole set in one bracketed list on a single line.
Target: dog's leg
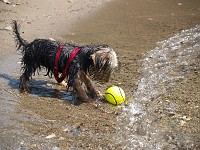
[(23, 83), (89, 85), (24, 78), (80, 91)]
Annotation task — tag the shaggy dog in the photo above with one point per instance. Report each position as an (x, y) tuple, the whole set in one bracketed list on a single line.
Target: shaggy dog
[(74, 63)]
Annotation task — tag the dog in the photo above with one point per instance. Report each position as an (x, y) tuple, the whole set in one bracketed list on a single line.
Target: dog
[(77, 64)]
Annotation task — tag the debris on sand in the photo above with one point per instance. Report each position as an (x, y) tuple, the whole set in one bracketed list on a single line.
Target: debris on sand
[(70, 1), (51, 136), (8, 28), (7, 1)]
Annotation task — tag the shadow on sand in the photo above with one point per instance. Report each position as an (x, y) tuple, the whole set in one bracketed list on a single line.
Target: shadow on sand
[(41, 88)]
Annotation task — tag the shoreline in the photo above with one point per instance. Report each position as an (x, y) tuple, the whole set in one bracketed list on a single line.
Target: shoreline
[(45, 119)]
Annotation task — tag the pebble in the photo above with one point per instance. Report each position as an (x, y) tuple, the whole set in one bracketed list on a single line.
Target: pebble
[(52, 39), (8, 28), (55, 148), (182, 122), (186, 118), (7, 1), (50, 136)]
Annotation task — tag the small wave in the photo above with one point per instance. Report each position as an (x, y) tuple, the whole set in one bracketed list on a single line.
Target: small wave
[(172, 61)]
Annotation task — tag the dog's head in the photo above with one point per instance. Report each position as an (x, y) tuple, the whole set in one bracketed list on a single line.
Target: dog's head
[(104, 61)]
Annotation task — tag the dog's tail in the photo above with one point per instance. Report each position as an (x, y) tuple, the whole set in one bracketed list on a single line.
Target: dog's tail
[(19, 40)]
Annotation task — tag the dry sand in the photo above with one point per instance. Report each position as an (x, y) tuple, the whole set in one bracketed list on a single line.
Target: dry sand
[(42, 19)]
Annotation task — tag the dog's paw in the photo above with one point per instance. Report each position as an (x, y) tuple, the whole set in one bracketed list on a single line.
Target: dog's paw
[(96, 95), (24, 89), (99, 94), (24, 93)]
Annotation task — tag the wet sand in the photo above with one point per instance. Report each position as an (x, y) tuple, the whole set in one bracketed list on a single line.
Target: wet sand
[(132, 28)]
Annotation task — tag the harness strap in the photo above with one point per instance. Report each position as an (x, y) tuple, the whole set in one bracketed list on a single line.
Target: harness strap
[(65, 71)]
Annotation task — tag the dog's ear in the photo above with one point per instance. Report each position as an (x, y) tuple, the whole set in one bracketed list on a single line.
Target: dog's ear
[(103, 58), (99, 59), (103, 63), (93, 56)]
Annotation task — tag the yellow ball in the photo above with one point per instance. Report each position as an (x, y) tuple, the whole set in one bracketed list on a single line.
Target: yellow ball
[(115, 95)]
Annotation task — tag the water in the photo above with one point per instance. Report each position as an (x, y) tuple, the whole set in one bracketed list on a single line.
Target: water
[(173, 60), (15, 117), (140, 126)]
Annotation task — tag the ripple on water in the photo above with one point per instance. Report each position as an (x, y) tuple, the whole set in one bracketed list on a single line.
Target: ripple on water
[(173, 60)]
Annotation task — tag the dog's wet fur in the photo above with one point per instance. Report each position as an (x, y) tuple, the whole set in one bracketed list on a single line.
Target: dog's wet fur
[(91, 62)]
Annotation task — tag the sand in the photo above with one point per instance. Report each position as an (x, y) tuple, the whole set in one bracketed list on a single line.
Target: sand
[(132, 28)]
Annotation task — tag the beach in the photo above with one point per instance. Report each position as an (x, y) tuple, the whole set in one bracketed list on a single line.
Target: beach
[(46, 120)]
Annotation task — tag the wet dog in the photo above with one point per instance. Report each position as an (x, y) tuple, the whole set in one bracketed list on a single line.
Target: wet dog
[(77, 64)]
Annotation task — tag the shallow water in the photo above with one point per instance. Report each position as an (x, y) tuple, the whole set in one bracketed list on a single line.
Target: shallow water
[(12, 130), (172, 61)]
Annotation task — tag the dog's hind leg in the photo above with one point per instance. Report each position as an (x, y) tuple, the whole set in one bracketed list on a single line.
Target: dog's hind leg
[(23, 84), (24, 78)]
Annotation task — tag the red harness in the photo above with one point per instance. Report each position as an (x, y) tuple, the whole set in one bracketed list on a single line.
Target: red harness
[(65, 72)]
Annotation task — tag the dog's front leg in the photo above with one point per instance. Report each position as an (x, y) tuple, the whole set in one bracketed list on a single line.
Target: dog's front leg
[(80, 91), (89, 85)]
